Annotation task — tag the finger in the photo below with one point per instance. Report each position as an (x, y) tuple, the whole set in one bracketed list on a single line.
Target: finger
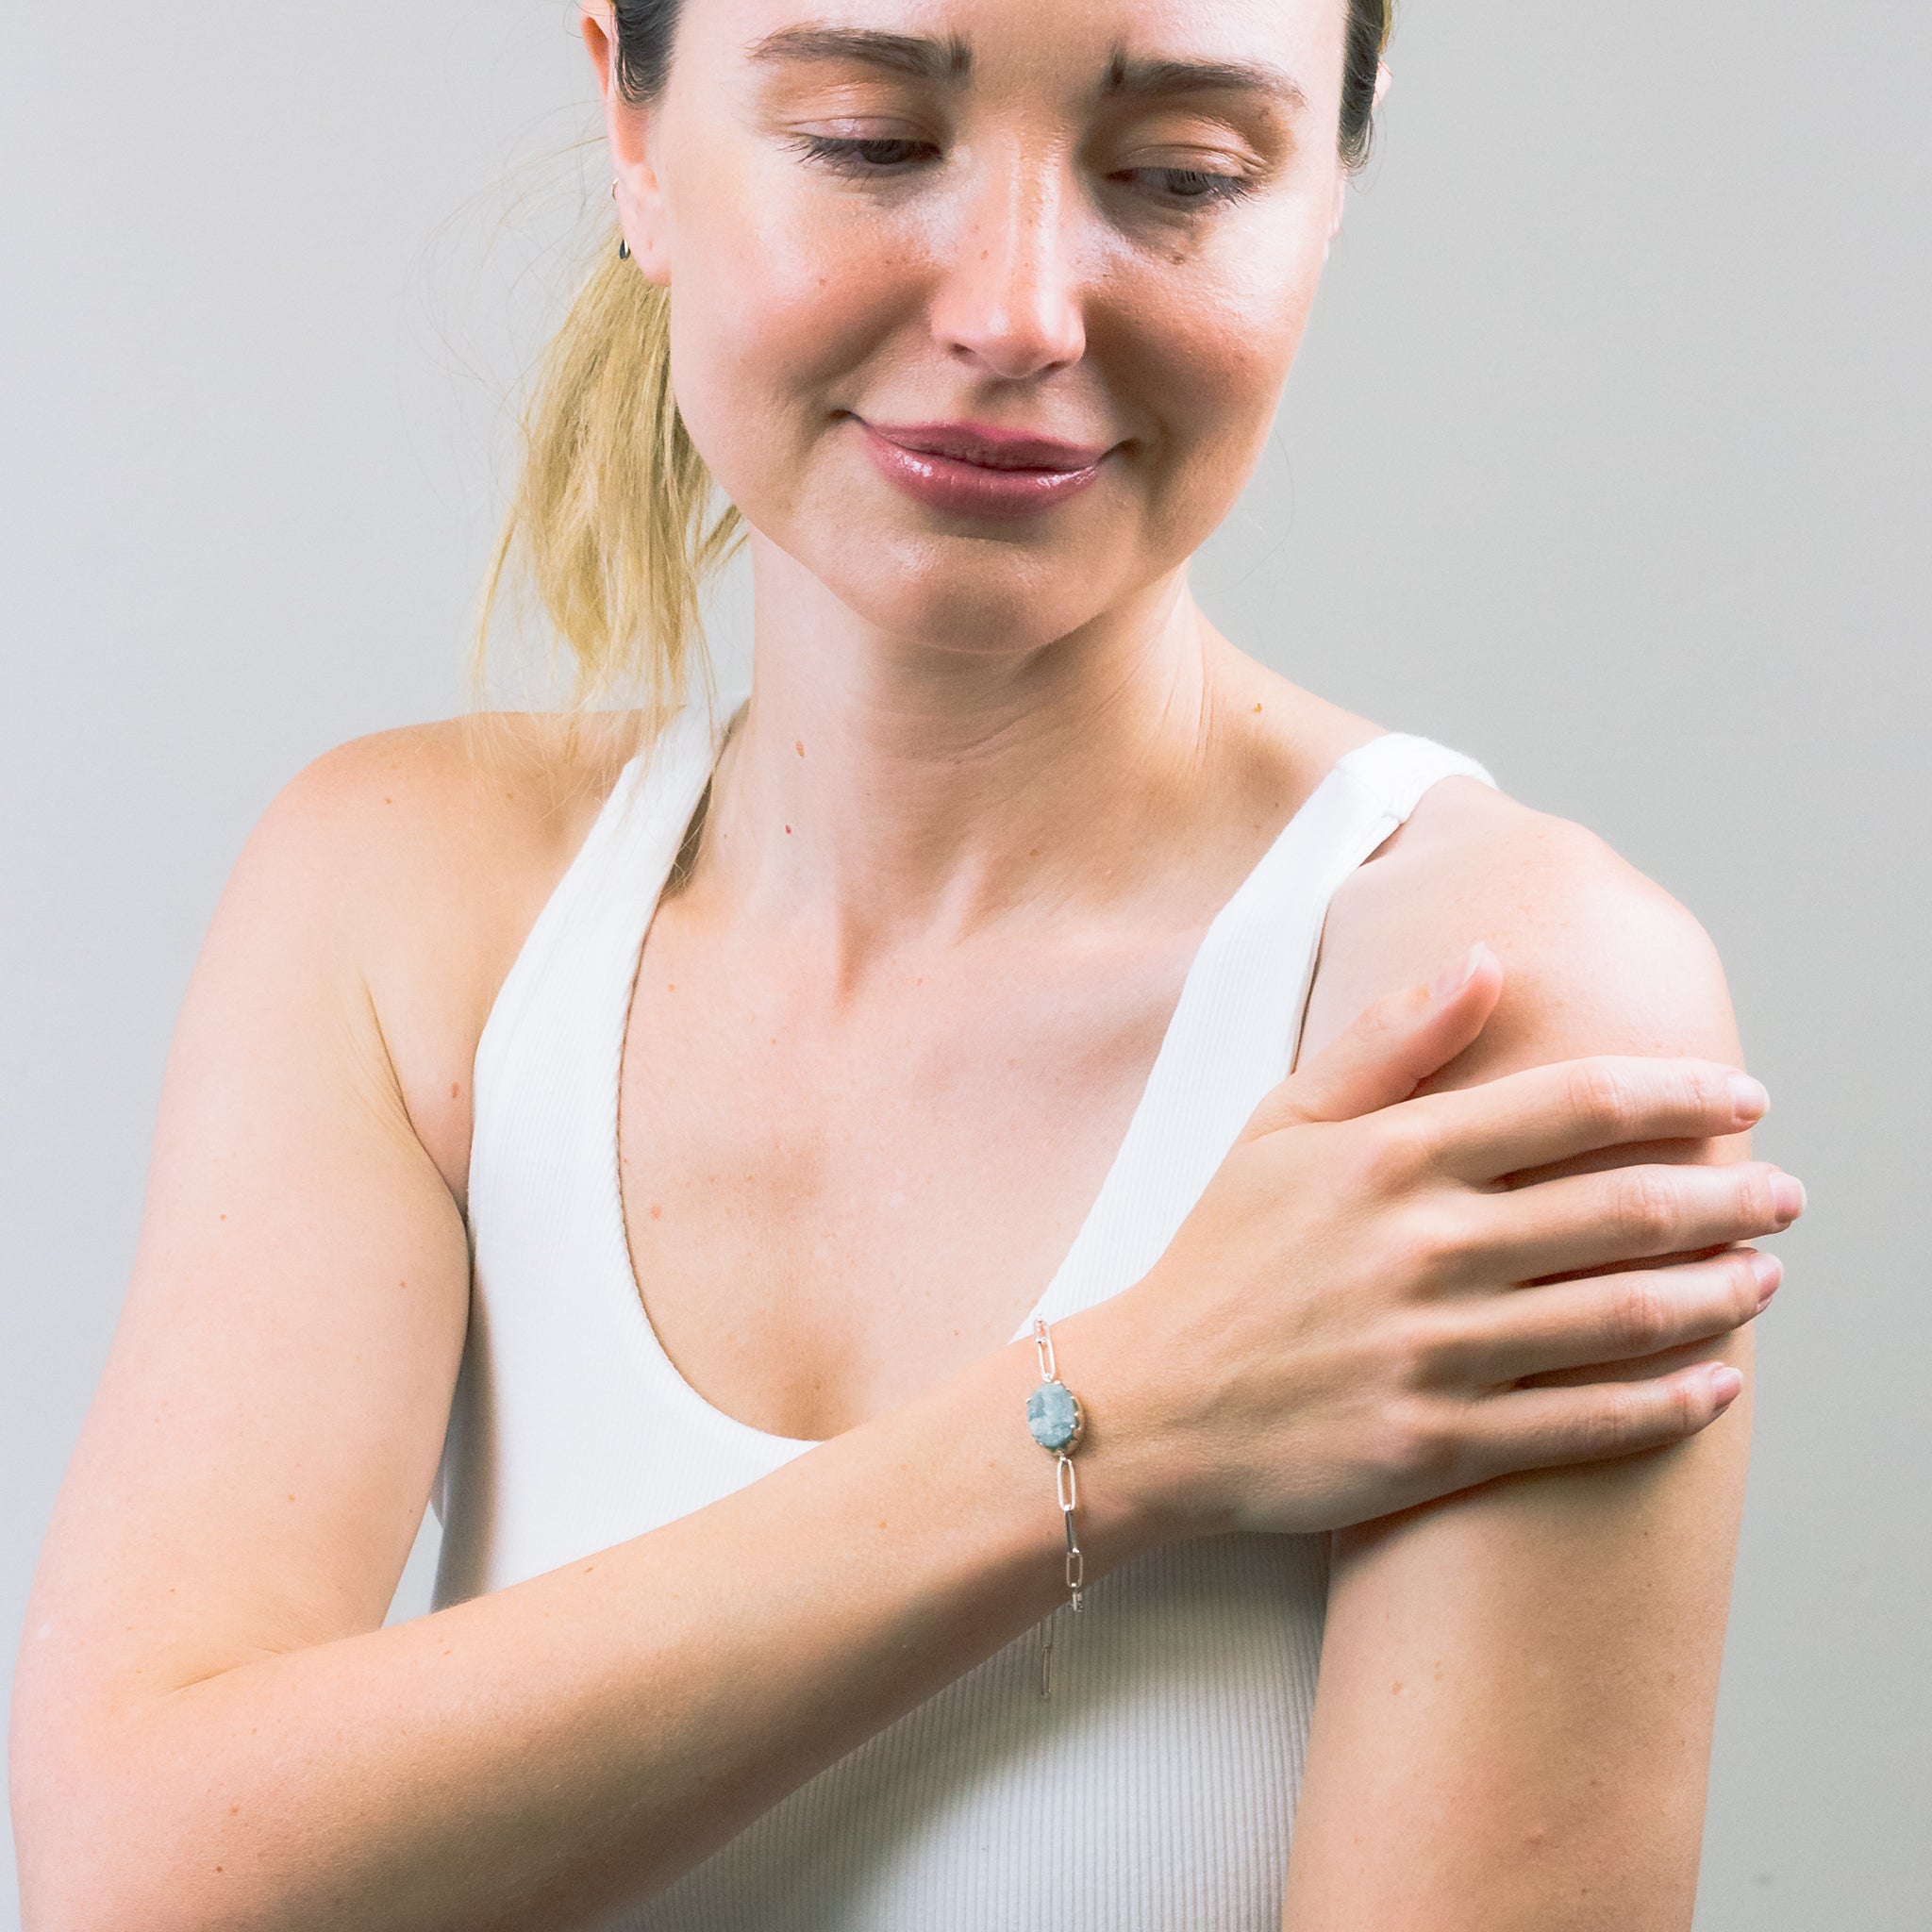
[(1550, 1428), (1390, 1049), (1547, 1114), (1609, 1318), (1629, 1214)]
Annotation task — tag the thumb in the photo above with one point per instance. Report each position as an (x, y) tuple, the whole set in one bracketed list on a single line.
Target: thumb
[(1390, 1049)]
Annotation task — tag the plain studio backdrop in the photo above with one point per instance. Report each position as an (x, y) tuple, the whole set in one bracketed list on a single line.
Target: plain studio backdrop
[(1605, 461)]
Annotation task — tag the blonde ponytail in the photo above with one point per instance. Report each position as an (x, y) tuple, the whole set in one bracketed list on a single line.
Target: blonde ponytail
[(610, 523)]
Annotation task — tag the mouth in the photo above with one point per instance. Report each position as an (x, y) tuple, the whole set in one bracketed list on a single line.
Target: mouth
[(990, 448), (976, 469)]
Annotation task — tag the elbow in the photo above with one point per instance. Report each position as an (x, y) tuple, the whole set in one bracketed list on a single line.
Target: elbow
[(79, 1882), (64, 1884), (100, 1848), (51, 1790)]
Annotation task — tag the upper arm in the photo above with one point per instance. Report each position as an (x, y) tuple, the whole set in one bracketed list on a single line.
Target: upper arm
[(1513, 1714), (255, 1463)]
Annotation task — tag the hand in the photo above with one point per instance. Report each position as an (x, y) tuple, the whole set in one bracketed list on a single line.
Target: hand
[(1339, 1329)]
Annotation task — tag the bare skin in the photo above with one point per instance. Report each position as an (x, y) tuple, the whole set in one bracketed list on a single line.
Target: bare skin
[(985, 799)]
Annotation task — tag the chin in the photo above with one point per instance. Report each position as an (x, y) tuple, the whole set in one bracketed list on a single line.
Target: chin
[(989, 593), (963, 595)]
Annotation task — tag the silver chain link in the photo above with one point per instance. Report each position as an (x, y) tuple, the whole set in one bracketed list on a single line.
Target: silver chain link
[(1067, 1489)]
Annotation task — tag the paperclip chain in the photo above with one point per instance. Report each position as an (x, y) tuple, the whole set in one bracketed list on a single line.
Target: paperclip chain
[(1067, 1489)]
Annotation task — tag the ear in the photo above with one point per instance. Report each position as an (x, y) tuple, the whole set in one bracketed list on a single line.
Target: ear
[(1382, 79), (628, 126)]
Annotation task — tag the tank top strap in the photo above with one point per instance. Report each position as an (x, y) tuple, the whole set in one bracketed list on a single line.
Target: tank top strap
[(584, 941), (1238, 1024), (542, 1160), (1390, 773)]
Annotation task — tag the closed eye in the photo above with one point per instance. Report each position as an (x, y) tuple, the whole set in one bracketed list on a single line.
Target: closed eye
[(886, 156), (879, 154), (1183, 187)]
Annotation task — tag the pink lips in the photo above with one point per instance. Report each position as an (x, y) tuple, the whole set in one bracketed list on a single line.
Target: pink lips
[(978, 470)]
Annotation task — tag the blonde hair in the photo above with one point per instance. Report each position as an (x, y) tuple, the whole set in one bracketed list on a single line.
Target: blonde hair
[(611, 522)]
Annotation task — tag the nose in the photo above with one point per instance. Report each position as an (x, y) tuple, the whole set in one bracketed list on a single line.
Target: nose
[(1010, 302)]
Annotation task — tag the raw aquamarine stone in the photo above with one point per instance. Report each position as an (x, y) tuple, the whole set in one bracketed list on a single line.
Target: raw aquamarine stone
[(1053, 1416)]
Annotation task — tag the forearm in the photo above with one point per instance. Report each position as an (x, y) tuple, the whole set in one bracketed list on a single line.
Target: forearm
[(535, 1757)]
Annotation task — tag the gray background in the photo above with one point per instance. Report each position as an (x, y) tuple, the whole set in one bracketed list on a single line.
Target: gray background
[(1605, 461)]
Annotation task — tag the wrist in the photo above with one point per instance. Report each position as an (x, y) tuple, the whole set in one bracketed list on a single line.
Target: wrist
[(1128, 1503)]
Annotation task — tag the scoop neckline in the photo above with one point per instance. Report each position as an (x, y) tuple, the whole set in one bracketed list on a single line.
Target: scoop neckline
[(1197, 990)]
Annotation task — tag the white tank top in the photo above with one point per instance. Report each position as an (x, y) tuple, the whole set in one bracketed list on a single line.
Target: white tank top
[(1155, 1790)]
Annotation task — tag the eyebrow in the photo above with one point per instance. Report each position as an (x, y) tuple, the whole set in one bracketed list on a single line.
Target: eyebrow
[(1157, 79), (951, 60), (922, 58)]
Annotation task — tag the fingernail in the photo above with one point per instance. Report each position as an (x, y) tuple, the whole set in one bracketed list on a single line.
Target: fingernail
[(1749, 1101), (1457, 974), (1787, 1197), (1725, 1384), (1769, 1271)]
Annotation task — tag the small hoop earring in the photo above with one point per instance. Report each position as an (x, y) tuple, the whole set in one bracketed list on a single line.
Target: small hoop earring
[(623, 246)]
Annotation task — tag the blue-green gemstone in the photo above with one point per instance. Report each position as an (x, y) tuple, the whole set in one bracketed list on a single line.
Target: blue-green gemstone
[(1053, 1416)]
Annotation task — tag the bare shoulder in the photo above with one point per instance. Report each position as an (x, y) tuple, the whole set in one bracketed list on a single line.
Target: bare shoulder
[(433, 847), (1598, 958), (476, 779)]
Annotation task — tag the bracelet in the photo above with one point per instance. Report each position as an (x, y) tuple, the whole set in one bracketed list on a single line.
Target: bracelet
[(1057, 1422)]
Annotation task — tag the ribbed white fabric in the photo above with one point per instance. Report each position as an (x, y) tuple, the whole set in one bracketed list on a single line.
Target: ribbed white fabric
[(1154, 1791)]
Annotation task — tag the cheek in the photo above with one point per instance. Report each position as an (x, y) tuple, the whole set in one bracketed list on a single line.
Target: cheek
[(1211, 342), (776, 306)]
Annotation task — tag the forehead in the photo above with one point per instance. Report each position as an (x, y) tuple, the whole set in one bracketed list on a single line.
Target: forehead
[(1091, 44)]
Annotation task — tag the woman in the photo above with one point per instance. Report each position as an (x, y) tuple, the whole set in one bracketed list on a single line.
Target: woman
[(838, 1055)]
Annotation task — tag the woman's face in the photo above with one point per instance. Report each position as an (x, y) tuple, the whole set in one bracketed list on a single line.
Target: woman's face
[(911, 242)]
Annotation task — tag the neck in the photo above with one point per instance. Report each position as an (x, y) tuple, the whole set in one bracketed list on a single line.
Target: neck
[(879, 788)]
